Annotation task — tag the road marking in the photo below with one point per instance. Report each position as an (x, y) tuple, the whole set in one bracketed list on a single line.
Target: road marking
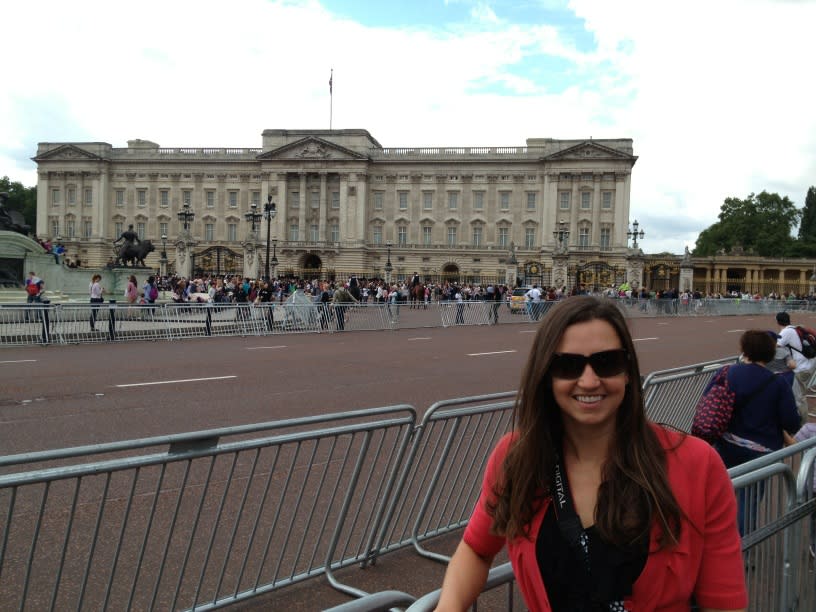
[(491, 353), (734, 331), (528, 331), (21, 361), (664, 324), (642, 339), (255, 348), (426, 338), (170, 382)]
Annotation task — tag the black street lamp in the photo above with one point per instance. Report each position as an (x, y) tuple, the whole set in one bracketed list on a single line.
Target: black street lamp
[(253, 216), (269, 214), (186, 216), (561, 235), (388, 266), (634, 234), (163, 261)]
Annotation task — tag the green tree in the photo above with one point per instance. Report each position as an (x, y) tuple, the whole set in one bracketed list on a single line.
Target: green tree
[(22, 199), (760, 224), (807, 228)]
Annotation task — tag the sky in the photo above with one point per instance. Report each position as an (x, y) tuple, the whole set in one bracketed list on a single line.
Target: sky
[(718, 96)]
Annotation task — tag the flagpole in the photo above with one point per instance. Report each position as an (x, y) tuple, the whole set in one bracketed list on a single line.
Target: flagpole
[(331, 98)]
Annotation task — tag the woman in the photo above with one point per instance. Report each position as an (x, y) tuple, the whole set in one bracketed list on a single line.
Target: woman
[(765, 408), (600, 509), (131, 291), (95, 292)]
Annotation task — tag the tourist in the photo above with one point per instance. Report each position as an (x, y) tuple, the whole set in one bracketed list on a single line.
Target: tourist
[(95, 292)]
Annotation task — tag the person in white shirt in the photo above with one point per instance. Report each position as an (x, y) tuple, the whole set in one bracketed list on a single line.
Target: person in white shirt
[(802, 366), (534, 302)]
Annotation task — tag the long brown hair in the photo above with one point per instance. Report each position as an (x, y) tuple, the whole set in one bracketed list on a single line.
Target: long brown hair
[(635, 486)]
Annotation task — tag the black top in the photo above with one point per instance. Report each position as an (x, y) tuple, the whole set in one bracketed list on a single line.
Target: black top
[(612, 570)]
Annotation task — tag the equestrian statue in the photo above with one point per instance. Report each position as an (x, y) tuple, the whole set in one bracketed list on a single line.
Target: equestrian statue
[(132, 250)]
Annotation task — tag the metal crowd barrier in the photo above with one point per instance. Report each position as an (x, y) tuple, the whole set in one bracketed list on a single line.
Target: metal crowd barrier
[(199, 520), (670, 396), (27, 324)]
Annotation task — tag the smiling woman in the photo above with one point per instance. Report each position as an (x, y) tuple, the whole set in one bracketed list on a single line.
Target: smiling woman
[(599, 509)]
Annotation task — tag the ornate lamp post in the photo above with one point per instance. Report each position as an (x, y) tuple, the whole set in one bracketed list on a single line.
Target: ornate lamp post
[(634, 234), (561, 235), (268, 214), (163, 260), (274, 261), (253, 216), (388, 266), (186, 216)]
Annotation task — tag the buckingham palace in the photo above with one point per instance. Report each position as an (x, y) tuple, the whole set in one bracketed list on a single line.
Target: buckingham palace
[(345, 204)]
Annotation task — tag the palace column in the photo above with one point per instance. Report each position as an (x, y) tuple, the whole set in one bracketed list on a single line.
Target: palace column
[(344, 183), (324, 207), (595, 240), (575, 202), (302, 208)]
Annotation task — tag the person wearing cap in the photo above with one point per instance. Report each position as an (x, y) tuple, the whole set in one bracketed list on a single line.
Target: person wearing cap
[(802, 366)]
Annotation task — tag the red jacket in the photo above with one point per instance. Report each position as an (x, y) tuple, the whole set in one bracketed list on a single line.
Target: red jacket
[(707, 562)]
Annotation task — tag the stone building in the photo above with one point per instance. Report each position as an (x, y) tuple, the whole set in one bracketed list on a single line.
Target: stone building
[(345, 204)]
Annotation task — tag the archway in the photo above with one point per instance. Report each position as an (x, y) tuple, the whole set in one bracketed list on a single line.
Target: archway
[(450, 272), (311, 262)]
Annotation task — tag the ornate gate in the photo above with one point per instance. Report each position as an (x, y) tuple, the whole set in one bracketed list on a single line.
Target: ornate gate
[(597, 276), (218, 261)]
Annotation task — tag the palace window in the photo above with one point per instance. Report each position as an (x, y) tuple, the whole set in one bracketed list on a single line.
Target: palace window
[(583, 237), (164, 198), (503, 239), (586, 200), (88, 196), (453, 200), (427, 234), (403, 200), (210, 199), (478, 200), (162, 229), (376, 234), (605, 238), (477, 235), (140, 230), (70, 228), (294, 230), (529, 237), (187, 197), (427, 200), (504, 199), (256, 198), (294, 199), (335, 200), (119, 197), (314, 232), (335, 232), (70, 195), (55, 197), (209, 231), (606, 201), (451, 235), (402, 235), (233, 199), (314, 199), (232, 232), (378, 200), (117, 229), (564, 200), (531, 200), (87, 228), (141, 197)]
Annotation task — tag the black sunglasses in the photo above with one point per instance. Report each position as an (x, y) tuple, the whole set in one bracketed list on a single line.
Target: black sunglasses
[(569, 366)]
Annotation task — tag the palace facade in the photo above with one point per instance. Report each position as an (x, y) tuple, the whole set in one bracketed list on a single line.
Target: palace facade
[(346, 204)]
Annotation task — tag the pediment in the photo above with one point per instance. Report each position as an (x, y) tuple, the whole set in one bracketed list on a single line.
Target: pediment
[(590, 150), (67, 152), (311, 148)]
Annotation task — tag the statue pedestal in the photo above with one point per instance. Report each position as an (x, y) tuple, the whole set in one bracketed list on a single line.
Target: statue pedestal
[(250, 258), (184, 261)]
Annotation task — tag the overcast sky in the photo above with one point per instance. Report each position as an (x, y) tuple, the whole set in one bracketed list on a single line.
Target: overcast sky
[(718, 95)]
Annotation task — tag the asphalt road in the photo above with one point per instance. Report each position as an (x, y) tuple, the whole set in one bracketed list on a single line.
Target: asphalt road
[(58, 396)]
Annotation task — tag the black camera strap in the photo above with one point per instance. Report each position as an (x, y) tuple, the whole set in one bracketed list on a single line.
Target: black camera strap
[(569, 524)]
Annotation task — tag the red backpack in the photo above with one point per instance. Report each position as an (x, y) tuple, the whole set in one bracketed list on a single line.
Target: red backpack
[(33, 288), (807, 337)]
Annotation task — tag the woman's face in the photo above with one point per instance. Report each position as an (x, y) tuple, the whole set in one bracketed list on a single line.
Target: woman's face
[(589, 400)]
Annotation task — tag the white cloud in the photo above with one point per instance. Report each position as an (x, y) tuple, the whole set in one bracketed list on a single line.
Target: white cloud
[(715, 95)]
